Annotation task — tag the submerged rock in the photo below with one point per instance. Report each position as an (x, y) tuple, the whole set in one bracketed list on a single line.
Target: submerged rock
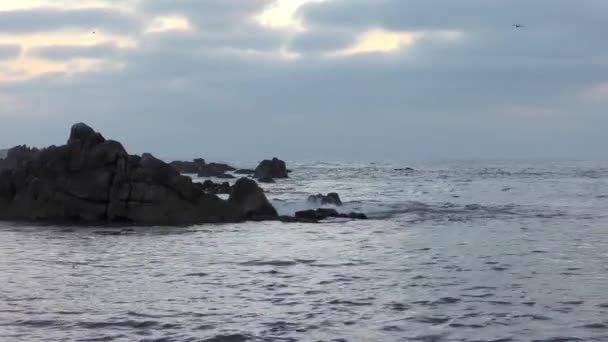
[(94, 180), (325, 213), (270, 169), (331, 198)]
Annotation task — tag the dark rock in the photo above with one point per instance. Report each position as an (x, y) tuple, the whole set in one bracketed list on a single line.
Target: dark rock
[(274, 168), (293, 219), (251, 202), (202, 169), (325, 213), (407, 169), (331, 198), (94, 180), (215, 188), (245, 172), (188, 167), (214, 170), (266, 180)]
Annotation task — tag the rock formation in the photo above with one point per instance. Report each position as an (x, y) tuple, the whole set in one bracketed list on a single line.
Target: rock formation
[(188, 167), (202, 169), (331, 198), (322, 214), (270, 169), (251, 202), (210, 187), (94, 180)]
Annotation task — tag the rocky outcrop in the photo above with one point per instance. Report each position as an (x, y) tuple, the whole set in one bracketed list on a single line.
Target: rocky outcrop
[(94, 180), (331, 198), (270, 169), (215, 188), (324, 213), (202, 169), (215, 170), (251, 201), (188, 166)]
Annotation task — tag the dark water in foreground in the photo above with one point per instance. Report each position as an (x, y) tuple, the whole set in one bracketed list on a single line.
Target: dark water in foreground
[(454, 252)]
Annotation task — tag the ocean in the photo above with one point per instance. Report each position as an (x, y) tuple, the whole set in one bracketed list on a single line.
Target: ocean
[(453, 251)]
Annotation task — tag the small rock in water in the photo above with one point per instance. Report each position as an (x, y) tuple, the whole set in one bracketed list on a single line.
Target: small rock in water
[(330, 198), (274, 168), (324, 213)]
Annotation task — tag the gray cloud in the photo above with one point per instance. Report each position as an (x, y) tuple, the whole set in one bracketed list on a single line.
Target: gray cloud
[(584, 15), (322, 40), (9, 51), (67, 52), (45, 19), (210, 13), (497, 92)]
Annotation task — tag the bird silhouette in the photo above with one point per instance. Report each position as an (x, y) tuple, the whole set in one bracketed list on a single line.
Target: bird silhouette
[(518, 26)]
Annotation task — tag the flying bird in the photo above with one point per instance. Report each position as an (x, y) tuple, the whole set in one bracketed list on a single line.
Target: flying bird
[(518, 26)]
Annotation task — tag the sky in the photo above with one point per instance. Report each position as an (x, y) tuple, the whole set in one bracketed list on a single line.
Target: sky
[(310, 79)]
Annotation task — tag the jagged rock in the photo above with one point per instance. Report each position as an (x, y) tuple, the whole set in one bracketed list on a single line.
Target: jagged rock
[(251, 201), (331, 198), (274, 168), (266, 180), (94, 180), (226, 176)]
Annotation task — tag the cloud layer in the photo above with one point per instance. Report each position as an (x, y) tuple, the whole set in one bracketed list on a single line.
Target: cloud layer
[(354, 79)]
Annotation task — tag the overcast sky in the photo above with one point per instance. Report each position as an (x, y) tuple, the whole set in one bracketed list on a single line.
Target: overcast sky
[(310, 79)]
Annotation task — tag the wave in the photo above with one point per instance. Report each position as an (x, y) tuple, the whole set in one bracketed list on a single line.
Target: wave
[(420, 211)]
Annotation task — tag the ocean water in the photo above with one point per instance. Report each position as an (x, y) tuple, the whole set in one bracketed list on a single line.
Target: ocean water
[(454, 251)]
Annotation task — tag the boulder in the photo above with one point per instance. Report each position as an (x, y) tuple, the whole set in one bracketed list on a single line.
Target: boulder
[(250, 201), (274, 168), (331, 198), (94, 180), (266, 180), (226, 176)]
